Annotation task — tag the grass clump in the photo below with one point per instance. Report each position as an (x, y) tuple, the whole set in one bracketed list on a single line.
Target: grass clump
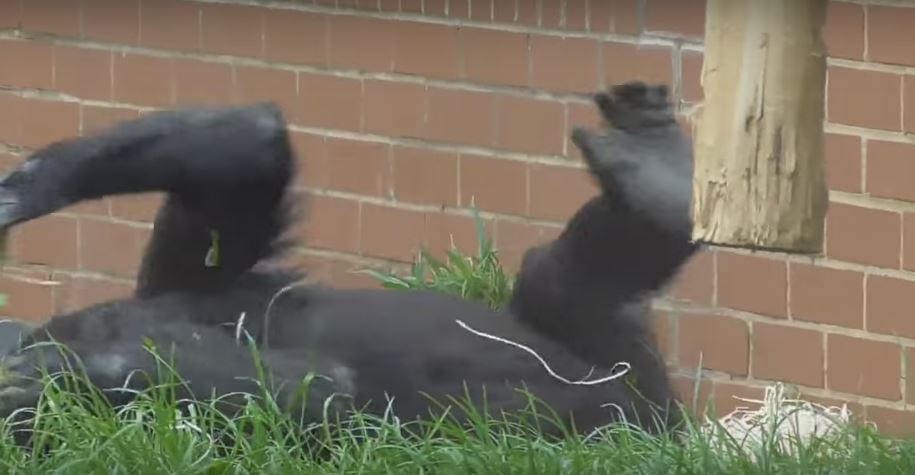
[(156, 434), (480, 278), (80, 433)]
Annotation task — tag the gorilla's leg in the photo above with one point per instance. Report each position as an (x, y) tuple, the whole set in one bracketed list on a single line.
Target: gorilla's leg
[(225, 169), (108, 343), (590, 288)]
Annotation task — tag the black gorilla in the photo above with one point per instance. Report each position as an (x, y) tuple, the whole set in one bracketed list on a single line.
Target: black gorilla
[(581, 302)]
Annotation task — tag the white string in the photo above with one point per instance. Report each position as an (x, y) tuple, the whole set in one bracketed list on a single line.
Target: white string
[(239, 327), (582, 382)]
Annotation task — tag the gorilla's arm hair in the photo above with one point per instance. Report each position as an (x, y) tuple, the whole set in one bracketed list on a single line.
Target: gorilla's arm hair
[(225, 170), (589, 288)]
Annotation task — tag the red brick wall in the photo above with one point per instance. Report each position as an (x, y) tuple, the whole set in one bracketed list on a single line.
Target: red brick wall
[(406, 111)]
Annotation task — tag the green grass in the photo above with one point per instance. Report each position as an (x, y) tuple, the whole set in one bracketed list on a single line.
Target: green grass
[(480, 277), (150, 435), (157, 434)]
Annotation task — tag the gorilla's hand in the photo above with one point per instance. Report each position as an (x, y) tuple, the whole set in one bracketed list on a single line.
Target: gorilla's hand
[(643, 158)]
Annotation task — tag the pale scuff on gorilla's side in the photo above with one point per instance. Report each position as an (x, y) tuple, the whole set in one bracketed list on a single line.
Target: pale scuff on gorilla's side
[(580, 302)]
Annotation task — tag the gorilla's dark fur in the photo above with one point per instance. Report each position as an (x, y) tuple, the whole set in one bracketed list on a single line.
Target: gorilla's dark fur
[(581, 301)]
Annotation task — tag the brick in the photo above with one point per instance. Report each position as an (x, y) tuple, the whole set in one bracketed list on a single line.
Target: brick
[(359, 167), (361, 43), (910, 375), (435, 7), (889, 33), (528, 13), (513, 239), (530, 125), (426, 50), (691, 64), (767, 295), (83, 73), (803, 364), (11, 119), (722, 342), (495, 57), (311, 151), (695, 282), (829, 296), (843, 162), (44, 122), (170, 24), (445, 232), (114, 21), (336, 272), (200, 83), (79, 292), (888, 304), (395, 109), (425, 176), (295, 37), (892, 422), (256, 84), (411, 6), (551, 14), (564, 64), (98, 118), (332, 223), (865, 367), (60, 17), (493, 184), (680, 17), (329, 101), (879, 246), (95, 253), (30, 295), (480, 10), (628, 17), (843, 31), (888, 166), (908, 241), (142, 80), (600, 18), (502, 12), (576, 15), (909, 103), (232, 29), (556, 193), (462, 117), (26, 64), (98, 207), (583, 114), (10, 13), (50, 241), (878, 109), (141, 207), (387, 5), (627, 62), (386, 232)]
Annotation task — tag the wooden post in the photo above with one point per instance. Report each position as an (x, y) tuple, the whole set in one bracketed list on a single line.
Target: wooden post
[(759, 174)]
